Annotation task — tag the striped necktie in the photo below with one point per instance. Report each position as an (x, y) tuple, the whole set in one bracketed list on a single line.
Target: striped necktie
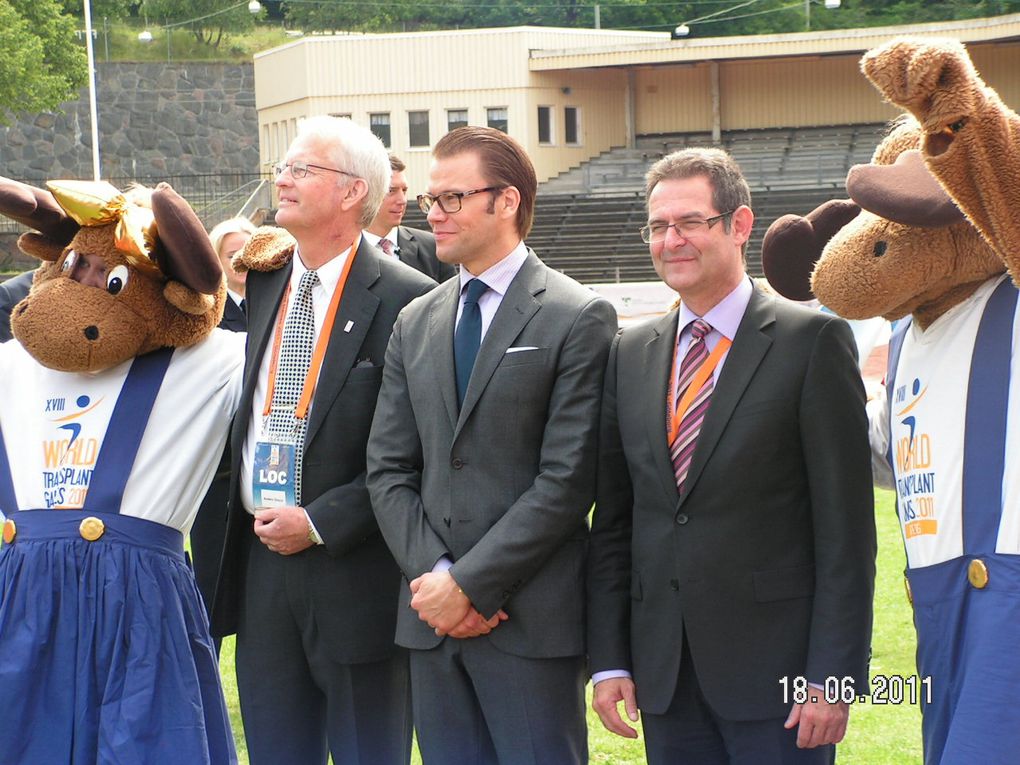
[(682, 448)]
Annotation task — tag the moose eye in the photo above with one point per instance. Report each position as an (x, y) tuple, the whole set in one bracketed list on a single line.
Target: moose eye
[(69, 261), (117, 280)]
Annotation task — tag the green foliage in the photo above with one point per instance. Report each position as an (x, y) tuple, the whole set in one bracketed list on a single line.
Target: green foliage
[(111, 9), (41, 62), (708, 18), (207, 20)]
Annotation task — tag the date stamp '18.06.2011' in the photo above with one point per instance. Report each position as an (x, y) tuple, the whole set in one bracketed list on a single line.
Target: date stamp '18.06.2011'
[(884, 690)]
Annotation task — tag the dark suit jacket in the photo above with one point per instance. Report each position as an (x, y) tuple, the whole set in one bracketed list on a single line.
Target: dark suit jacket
[(351, 580), (418, 250), (767, 559), (12, 292), (503, 486), (210, 526)]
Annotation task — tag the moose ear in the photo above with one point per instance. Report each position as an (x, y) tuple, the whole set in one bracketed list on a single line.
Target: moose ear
[(36, 209), (183, 250), (904, 192), (793, 244), (40, 246)]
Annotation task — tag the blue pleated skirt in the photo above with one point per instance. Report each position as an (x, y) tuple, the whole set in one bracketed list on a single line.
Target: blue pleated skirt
[(105, 653)]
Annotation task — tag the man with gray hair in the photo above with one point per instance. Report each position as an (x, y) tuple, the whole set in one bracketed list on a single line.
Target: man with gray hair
[(306, 580), (732, 551)]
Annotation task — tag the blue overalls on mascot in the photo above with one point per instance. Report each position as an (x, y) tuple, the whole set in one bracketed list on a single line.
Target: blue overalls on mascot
[(115, 399), (931, 237)]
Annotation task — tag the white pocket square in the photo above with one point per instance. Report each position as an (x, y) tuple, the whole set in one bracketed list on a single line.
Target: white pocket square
[(522, 348)]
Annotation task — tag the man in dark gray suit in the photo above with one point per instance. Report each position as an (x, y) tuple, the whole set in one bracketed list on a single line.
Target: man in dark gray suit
[(733, 541), (12, 292), (306, 579), (412, 246), (482, 470)]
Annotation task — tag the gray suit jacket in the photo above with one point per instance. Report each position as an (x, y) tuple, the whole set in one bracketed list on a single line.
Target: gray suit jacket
[(503, 486), (767, 560), (418, 250)]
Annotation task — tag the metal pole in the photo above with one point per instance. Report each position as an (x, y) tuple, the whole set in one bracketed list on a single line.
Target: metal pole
[(93, 113), (598, 16), (807, 15)]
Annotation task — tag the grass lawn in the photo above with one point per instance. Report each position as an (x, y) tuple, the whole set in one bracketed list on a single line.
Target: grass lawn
[(878, 735)]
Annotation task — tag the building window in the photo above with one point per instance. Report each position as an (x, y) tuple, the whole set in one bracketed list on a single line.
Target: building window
[(545, 124), (456, 118), (380, 124), (418, 128), (571, 124), (496, 118)]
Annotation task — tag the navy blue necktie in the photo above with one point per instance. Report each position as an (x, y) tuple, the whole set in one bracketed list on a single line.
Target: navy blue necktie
[(468, 336)]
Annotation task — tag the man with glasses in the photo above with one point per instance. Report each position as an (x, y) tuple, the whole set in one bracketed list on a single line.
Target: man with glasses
[(482, 471), (412, 246), (733, 544), (306, 579)]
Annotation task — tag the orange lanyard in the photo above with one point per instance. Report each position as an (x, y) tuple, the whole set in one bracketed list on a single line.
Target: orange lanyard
[(320, 347), (676, 415)]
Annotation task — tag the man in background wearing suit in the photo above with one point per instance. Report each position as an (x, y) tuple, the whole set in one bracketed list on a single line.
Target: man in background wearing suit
[(12, 292), (210, 526), (482, 470), (733, 542), (306, 579), (412, 246)]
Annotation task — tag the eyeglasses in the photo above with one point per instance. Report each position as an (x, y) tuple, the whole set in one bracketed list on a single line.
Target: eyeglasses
[(300, 170), (450, 201), (656, 232)]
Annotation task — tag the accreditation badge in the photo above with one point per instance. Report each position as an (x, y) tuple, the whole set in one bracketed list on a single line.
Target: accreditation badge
[(273, 474)]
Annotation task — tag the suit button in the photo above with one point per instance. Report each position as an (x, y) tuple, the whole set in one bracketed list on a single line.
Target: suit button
[(457, 463), (682, 518), (674, 584)]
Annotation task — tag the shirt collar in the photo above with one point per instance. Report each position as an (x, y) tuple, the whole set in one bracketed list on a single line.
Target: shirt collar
[(499, 275), (725, 316), (329, 272), (374, 239)]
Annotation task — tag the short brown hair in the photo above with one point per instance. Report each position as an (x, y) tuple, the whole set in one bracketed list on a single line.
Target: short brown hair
[(504, 163), (729, 188), (397, 164)]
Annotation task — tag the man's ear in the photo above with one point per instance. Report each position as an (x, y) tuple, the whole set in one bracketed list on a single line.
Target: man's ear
[(356, 191), (509, 202), (741, 223)]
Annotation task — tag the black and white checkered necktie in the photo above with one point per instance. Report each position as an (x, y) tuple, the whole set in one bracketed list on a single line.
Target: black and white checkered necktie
[(291, 369)]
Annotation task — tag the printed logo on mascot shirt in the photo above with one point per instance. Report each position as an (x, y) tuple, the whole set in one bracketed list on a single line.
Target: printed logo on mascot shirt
[(69, 459), (915, 480)]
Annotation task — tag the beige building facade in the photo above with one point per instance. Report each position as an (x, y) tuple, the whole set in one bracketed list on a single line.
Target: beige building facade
[(569, 95)]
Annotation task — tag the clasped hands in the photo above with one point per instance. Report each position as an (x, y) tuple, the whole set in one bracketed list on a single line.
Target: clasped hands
[(442, 604)]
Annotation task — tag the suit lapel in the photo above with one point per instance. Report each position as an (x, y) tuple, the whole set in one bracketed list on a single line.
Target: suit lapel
[(658, 362), (408, 252), (357, 308), (750, 345), (519, 304), (261, 325), (442, 316)]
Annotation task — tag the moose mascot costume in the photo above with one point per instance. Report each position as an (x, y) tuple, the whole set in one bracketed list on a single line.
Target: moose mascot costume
[(115, 399), (930, 238)]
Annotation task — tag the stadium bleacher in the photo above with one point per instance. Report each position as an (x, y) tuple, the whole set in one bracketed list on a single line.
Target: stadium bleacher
[(587, 219)]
